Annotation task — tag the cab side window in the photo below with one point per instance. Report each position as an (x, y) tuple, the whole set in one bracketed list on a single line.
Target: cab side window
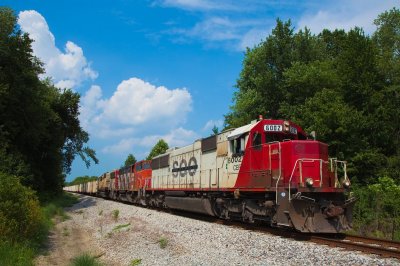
[(256, 140), (272, 137)]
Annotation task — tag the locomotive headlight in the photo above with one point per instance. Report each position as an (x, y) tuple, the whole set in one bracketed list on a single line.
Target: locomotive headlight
[(309, 182), (346, 183)]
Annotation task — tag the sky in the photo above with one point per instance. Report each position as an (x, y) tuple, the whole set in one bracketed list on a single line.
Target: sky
[(166, 69)]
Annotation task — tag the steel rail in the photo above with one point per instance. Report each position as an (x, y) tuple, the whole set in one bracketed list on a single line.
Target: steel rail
[(381, 247)]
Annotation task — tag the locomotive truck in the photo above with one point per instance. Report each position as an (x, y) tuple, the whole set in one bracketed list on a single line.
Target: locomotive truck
[(267, 171)]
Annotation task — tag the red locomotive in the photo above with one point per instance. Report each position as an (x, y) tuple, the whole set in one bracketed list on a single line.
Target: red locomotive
[(264, 171)]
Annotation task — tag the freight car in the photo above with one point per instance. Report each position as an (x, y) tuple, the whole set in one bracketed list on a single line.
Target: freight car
[(265, 171)]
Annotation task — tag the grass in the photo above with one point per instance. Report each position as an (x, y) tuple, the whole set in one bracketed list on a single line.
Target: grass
[(55, 207), (136, 262), (23, 253), (85, 260), (16, 254), (118, 227), (115, 214), (163, 242), (65, 231)]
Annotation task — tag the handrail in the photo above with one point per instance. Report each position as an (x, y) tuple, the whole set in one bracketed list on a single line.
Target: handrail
[(280, 172), (300, 161)]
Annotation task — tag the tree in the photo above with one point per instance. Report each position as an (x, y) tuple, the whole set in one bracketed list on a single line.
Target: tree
[(261, 85), (160, 148), (130, 160), (215, 130), (40, 133)]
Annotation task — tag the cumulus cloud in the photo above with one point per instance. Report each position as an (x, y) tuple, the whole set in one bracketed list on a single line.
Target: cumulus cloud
[(135, 106), (69, 68), (136, 102)]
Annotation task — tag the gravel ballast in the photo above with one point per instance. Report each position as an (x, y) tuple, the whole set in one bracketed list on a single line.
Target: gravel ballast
[(160, 238)]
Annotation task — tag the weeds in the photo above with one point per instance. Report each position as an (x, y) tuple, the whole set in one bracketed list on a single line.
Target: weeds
[(16, 254), (163, 242), (136, 262), (65, 231), (118, 227), (100, 212), (115, 214), (85, 260)]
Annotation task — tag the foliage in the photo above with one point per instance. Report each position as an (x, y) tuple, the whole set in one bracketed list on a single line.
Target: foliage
[(160, 148), (19, 211), (215, 130), (40, 133), (85, 260), (377, 212), (15, 254), (130, 160)]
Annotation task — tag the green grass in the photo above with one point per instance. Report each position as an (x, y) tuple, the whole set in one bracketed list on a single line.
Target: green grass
[(16, 254), (118, 227), (163, 242), (85, 260), (115, 214), (23, 253), (55, 206), (136, 262)]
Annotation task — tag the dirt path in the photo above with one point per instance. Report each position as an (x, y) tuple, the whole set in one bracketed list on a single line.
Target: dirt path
[(68, 240)]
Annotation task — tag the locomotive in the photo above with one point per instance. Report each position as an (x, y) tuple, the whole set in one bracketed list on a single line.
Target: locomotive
[(267, 171)]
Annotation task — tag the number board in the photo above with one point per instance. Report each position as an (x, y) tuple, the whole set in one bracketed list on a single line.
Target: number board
[(273, 128)]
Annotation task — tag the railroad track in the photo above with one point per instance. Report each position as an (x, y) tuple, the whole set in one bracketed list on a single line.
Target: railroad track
[(381, 247), (368, 245)]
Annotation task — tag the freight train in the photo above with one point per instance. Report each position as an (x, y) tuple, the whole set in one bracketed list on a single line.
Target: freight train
[(267, 171)]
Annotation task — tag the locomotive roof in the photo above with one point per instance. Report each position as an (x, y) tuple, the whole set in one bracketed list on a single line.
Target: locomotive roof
[(236, 133)]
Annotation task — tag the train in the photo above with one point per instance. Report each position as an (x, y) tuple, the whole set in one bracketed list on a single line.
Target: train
[(269, 171)]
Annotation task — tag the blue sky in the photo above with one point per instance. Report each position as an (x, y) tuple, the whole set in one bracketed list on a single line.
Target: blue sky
[(161, 68)]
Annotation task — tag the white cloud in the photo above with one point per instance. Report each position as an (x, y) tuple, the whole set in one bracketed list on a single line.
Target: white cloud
[(252, 38), (233, 34), (175, 138), (136, 102), (200, 4), (136, 106), (67, 69), (235, 25), (211, 123), (345, 15)]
